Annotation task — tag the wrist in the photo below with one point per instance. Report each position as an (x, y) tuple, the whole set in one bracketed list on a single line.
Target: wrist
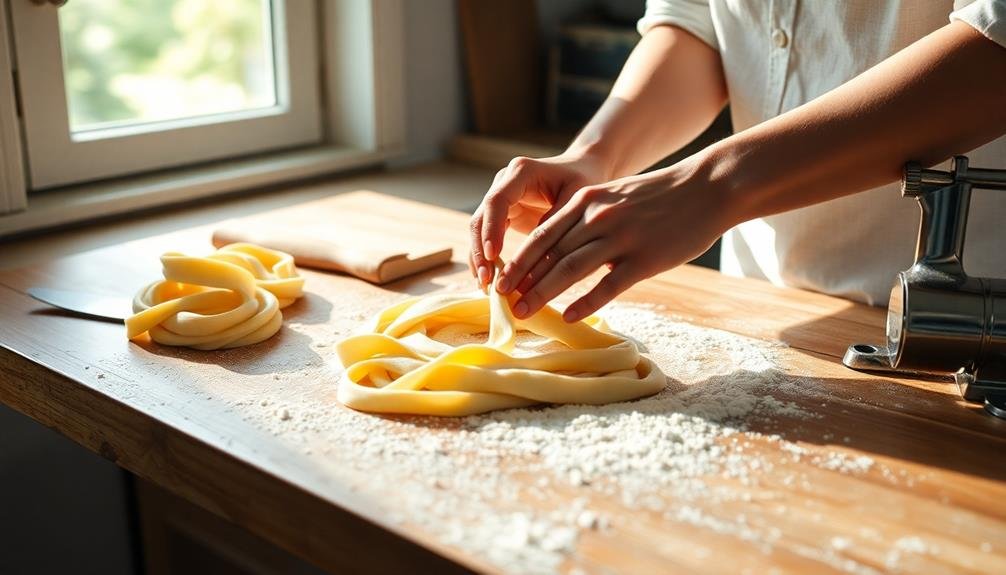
[(720, 169), (594, 155)]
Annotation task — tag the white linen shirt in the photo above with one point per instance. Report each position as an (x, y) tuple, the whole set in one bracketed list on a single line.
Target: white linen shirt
[(779, 54)]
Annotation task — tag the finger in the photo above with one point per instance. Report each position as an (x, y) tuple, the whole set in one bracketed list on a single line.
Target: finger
[(578, 236), (528, 219), (580, 263), (504, 193), (537, 272), (561, 199), (476, 258), (538, 243), (480, 266), (472, 268), (525, 219), (619, 279)]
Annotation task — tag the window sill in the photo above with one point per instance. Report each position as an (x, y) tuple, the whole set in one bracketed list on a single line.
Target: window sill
[(102, 199)]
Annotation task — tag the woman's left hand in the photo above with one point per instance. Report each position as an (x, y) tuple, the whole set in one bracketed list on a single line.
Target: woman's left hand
[(638, 226)]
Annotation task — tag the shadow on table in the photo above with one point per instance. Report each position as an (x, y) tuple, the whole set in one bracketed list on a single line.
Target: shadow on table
[(287, 351), (426, 282), (895, 420), (311, 309), (832, 334), (917, 410), (57, 312), (871, 415)]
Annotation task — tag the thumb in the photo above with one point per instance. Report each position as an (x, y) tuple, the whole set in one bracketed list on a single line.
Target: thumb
[(501, 196)]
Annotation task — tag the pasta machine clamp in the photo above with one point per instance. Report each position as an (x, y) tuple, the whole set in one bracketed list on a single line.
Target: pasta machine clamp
[(941, 320)]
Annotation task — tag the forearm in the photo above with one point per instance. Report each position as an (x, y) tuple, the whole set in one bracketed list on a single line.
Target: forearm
[(669, 91), (943, 95)]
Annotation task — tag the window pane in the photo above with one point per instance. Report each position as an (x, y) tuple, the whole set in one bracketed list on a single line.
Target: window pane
[(138, 61)]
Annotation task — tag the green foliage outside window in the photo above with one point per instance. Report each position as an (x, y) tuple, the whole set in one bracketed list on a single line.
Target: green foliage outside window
[(149, 60)]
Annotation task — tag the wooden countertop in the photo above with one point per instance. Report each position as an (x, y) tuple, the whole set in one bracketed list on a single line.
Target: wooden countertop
[(193, 423)]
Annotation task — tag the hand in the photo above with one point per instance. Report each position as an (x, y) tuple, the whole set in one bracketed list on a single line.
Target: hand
[(522, 196), (638, 226)]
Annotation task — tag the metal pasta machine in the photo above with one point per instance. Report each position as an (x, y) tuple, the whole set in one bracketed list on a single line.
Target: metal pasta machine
[(941, 320)]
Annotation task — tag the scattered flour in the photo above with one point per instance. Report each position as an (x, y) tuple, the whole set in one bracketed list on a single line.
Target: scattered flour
[(904, 546), (840, 543), (699, 443)]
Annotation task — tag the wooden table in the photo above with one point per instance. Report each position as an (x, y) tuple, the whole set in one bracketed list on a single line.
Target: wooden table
[(191, 422)]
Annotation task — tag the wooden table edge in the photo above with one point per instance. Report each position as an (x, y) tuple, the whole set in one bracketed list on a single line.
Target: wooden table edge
[(325, 533), (323, 530)]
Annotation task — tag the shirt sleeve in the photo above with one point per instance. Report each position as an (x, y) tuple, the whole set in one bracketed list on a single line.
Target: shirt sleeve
[(986, 16), (693, 16)]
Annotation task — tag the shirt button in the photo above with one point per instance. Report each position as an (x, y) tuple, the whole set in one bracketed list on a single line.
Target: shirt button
[(779, 38)]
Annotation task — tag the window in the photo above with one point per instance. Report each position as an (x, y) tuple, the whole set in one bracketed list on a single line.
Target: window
[(128, 63), (116, 87), (110, 106)]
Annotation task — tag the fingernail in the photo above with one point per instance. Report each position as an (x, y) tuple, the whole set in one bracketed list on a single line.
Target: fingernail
[(503, 285), (570, 315), (483, 275), (520, 309), (487, 246)]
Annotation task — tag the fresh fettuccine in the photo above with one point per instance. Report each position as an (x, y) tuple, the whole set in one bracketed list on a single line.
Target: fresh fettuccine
[(229, 298), (401, 365)]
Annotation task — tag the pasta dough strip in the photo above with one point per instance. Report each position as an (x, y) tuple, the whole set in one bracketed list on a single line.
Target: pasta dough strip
[(396, 366), (229, 298)]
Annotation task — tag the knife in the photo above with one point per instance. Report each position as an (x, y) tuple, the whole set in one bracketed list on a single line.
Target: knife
[(83, 304)]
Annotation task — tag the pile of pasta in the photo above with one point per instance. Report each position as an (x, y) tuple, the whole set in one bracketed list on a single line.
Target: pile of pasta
[(400, 364), (229, 298)]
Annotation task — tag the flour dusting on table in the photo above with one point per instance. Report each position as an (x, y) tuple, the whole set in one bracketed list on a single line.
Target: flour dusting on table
[(490, 484)]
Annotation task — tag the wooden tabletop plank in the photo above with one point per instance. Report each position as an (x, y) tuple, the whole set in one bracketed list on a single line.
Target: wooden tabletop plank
[(156, 436), (801, 319), (192, 422)]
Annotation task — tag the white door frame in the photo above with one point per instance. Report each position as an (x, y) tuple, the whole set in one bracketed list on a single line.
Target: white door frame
[(13, 187)]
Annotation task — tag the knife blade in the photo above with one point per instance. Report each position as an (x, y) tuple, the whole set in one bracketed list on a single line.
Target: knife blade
[(84, 304)]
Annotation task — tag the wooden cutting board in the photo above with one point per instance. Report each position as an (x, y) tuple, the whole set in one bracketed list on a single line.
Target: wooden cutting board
[(345, 233)]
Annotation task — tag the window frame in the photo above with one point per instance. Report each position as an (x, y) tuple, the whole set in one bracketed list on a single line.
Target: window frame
[(56, 157), (363, 123)]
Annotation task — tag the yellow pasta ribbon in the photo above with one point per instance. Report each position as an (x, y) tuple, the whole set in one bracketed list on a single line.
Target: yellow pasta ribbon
[(229, 298), (398, 366)]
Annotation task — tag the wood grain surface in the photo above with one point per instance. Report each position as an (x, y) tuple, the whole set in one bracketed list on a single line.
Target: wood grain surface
[(174, 417)]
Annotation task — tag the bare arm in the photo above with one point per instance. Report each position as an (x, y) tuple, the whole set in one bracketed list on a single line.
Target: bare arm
[(942, 95), (669, 91)]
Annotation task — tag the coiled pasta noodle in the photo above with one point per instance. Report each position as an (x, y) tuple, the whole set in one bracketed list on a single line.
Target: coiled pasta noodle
[(229, 298), (397, 365)]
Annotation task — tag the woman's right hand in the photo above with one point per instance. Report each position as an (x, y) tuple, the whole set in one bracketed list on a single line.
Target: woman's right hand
[(523, 195)]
